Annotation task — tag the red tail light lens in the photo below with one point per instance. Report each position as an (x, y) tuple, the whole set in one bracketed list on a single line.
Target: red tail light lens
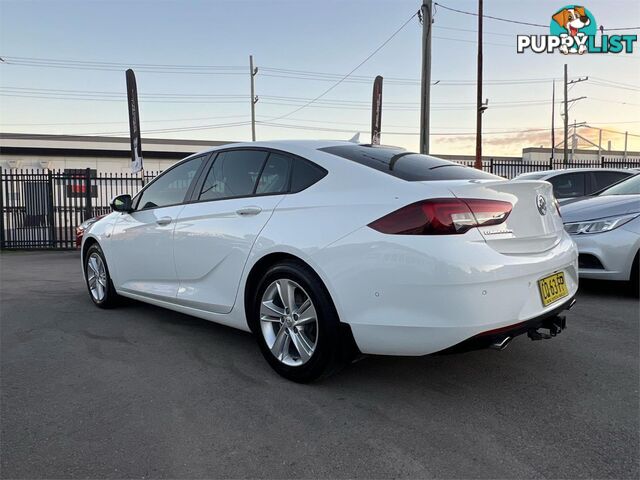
[(443, 216)]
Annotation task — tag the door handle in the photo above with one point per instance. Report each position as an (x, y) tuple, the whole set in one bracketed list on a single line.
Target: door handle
[(164, 221), (247, 211)]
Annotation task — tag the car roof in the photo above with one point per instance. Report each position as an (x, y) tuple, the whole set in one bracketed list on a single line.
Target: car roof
[(284, 144), (576, 170)]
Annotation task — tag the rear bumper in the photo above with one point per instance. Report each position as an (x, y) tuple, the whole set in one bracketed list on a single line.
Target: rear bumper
[(410, 295), (499, 338)]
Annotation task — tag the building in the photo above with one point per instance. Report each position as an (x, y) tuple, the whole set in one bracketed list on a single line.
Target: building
[(103, 154), (113, 154), (541, 154)]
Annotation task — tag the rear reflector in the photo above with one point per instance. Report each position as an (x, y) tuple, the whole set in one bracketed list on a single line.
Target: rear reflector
[(443, 216)]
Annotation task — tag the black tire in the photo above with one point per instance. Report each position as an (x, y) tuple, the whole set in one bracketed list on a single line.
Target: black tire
[(634, 279), (110, 298), (332, 350)]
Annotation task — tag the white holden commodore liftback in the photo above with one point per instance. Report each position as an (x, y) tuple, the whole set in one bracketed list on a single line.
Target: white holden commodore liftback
[(327, 250)]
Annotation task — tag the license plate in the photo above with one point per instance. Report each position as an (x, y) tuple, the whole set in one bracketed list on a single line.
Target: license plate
[(552, 288)]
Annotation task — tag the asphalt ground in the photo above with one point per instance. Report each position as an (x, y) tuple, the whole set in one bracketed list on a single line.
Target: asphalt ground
[(142, 392)]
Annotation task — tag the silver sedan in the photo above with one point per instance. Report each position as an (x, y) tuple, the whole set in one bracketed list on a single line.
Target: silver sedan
[(606, 229)]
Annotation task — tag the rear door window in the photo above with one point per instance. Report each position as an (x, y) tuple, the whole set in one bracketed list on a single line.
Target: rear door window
[(234, 173), (568, 185), (406, 165), (275, 175)]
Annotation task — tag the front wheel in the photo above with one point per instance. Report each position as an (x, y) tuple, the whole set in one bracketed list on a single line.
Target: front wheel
[(98, 279), (296, 324)]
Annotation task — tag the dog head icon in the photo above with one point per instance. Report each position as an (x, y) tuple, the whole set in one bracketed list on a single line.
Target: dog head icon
[(572, 19)]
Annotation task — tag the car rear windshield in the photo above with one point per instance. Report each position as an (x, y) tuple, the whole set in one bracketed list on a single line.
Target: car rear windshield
[(409, 166)]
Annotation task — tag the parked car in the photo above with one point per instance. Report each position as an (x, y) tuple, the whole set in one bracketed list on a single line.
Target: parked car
[(83, 227), (573, 183), (606, 228), (324, 249)]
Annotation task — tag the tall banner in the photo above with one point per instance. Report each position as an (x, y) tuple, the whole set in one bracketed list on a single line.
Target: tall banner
[(376, 111), (134, 122)]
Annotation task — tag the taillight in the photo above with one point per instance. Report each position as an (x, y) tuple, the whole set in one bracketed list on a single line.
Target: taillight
[(443, 216)]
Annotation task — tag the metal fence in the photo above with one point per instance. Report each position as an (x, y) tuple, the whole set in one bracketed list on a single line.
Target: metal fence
[(41, 208), (513, 168)]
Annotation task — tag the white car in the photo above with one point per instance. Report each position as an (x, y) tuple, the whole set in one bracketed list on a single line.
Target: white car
[(571, 184), (606, 228), (326, 249)]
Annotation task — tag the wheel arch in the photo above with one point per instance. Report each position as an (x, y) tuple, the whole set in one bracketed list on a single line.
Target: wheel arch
[(263, 264), (86, 245)]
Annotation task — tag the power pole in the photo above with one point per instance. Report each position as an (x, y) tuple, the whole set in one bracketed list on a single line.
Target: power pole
[(566, 116), (553, 117), (254, 98), (480, 109), (425, 97), (626, 135), (566, 109)]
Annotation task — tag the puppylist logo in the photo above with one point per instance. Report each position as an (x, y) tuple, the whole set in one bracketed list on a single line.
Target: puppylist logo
[(573, 29)]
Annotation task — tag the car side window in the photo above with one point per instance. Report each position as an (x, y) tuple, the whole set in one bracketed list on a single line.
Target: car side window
[(304, 174), (171, 187), (568, 185), (234, 173), (275, 175), (601, 180)]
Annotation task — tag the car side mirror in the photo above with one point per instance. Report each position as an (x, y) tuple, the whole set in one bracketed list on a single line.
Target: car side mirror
[(122, 203)]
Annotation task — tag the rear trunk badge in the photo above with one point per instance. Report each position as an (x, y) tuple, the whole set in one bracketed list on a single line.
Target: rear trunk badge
[(541, 203)]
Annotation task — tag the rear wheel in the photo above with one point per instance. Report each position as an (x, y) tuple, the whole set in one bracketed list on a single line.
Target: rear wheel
[(98, 280), (296, 324), (634, 279)]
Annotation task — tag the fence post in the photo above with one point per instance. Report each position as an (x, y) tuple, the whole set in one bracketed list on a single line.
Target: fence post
[(491, 165), (53, 235), (602, 161), (87, 195), (1, 211), (550, 163)]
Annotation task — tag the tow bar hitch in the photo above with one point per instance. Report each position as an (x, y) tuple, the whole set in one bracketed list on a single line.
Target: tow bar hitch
[(554, 325)]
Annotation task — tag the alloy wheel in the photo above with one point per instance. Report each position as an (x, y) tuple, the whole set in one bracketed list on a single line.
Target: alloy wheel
[(289, 322), (97, 277)]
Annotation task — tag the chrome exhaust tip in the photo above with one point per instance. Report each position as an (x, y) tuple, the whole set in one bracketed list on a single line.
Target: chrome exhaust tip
[(501, 344), (571, 304)]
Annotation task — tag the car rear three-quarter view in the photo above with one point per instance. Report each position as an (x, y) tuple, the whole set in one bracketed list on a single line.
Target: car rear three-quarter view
[(325, 250)]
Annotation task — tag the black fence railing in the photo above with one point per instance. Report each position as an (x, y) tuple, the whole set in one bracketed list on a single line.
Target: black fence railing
[(41, 208)]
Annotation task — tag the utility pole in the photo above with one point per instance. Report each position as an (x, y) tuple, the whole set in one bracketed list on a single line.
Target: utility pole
[(480, 107), (425, 97), (600, 144), (553, 117), (254, 98), (626, 135), (566, 115), (566, 108)]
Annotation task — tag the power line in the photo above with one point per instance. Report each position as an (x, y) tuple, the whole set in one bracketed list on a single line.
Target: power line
[(519, 22), (352, 71), (474, 14)]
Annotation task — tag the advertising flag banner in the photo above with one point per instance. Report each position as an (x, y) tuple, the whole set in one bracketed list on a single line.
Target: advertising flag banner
[(134, 122), (376, 111)]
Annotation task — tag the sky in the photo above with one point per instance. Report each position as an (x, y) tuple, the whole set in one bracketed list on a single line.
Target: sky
[(198, 86)]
